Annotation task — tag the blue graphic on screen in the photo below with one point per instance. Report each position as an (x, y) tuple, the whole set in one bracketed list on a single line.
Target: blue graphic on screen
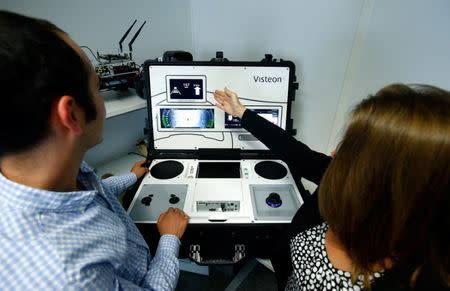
[(187, 118), (186, 89), (235, 122)]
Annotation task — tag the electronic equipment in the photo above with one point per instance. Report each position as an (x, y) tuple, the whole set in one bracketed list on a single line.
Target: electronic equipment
[(271, 114), (175, 56), (118, 71), (236, 191), (238, 195)]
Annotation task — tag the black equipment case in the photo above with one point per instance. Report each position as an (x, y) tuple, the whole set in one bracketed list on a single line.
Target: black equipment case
[(205, 163)]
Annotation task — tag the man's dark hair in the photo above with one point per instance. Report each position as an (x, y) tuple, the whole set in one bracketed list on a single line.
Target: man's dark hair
[(36, 67)]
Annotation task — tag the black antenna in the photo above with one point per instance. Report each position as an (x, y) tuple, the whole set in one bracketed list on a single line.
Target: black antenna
[(125, 35), (134, 37)]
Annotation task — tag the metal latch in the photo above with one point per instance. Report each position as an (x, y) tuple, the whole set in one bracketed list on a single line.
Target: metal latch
[(239, 253), (194, 254)]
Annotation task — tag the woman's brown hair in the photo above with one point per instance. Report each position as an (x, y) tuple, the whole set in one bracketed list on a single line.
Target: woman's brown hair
[(386, 193)]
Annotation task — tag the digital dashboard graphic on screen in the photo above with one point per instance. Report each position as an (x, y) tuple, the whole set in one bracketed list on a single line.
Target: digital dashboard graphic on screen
[(187, 118), (235, 122), (186, 89)]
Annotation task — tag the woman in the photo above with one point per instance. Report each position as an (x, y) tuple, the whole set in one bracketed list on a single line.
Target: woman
[(380, 218)]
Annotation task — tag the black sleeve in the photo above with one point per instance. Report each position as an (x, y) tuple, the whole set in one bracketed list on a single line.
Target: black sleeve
[(302, 161), (307, 216), (300, 158)]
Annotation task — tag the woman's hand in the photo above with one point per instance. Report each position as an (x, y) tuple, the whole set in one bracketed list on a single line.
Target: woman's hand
[(229, 102)]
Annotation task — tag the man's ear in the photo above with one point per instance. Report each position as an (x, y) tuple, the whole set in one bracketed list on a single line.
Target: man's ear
[(67, 115)]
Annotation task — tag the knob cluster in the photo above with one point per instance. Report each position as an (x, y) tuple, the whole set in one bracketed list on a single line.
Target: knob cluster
[(274, 200), (174, 199), (147, 200)]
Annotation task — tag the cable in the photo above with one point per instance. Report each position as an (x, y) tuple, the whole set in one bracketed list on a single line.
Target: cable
[(134, 153), (248, 99), (160, 102), (95, 57), (197, 134), (232, 143), (158, 94)]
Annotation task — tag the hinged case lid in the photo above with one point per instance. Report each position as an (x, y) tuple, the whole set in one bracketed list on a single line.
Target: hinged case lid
[(184, 121)]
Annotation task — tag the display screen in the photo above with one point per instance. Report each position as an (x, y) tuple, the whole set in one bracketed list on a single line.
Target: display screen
[(219, 170), (187, 118), (269, 114), (186, 89)]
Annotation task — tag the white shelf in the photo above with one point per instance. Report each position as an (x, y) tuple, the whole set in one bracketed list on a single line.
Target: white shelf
[(121, 165), (120, 102)]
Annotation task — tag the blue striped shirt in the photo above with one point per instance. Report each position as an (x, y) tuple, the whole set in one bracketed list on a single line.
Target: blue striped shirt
[(82, 240)]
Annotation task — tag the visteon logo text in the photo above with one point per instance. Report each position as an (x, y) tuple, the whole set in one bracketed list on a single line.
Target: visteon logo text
[(266, 79)]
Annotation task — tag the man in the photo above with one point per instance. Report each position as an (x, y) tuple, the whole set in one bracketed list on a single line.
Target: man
[(61, 227)]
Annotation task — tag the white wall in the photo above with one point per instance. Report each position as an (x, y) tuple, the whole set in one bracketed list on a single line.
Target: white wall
[(119, 137), (400, 41), (316, 35)]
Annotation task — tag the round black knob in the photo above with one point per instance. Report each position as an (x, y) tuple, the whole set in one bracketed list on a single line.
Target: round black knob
[(146, 201), (274, 200), (174, 199)]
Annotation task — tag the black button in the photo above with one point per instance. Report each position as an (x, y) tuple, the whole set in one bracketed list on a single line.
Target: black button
[(174, 199), (146, 201)]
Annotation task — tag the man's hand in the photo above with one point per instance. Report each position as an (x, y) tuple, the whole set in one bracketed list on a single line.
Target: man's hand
[(229, 102), (173, 221), (139, 169)]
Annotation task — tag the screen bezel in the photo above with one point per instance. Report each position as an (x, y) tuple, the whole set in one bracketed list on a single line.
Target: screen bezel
[(150, 94)]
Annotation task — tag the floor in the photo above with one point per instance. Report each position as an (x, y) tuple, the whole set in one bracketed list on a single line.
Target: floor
[(246, 277)]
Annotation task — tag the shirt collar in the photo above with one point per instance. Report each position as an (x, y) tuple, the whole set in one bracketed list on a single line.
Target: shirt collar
[(32, 199), (84, 168)]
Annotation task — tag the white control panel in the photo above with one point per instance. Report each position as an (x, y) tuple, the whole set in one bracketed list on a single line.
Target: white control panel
[(218, 191)]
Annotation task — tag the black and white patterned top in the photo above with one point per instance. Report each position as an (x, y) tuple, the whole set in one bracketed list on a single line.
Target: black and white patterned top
[(311, 268)]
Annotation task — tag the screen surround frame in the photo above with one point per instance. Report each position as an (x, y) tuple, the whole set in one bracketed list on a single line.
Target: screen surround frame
[(207, 139)]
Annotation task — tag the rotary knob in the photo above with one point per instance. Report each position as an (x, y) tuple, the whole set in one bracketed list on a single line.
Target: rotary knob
[(274, 200), (147, 200), (174, 199)]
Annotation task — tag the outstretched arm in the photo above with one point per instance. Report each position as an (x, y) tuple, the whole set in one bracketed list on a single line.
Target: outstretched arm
[(300, 158)]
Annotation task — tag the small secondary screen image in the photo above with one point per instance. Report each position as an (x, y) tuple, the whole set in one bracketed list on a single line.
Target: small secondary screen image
[(186, 88), (269, 114), (187, 118)]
